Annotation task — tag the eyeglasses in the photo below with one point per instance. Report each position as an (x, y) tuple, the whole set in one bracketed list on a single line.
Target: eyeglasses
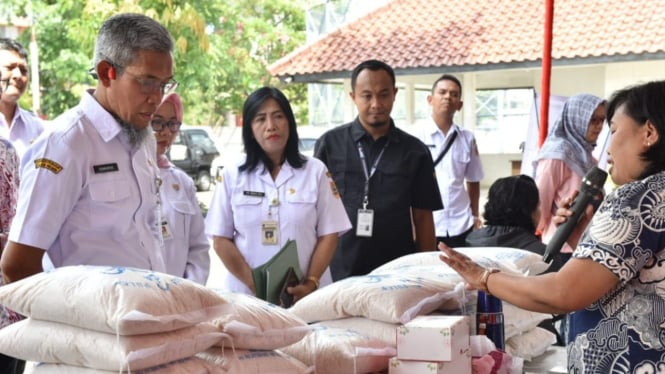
[(151, 86), (148, 86), (158, 125)]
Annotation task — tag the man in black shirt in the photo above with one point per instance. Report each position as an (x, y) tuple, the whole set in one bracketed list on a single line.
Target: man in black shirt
[(384, 175)]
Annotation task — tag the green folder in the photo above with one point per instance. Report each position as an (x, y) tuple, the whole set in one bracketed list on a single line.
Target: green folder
[(269, 277)]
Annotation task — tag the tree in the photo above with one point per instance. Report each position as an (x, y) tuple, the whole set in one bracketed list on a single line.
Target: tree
[(222, 49)]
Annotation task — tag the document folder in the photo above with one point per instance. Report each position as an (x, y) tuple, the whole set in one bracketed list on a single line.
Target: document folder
[(269, 278)]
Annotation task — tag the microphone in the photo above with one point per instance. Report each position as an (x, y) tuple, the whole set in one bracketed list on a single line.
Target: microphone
[(591, 186)]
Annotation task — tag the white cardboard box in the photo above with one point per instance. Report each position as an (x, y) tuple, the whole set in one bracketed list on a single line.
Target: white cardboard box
[(461, 365), (433, 338)]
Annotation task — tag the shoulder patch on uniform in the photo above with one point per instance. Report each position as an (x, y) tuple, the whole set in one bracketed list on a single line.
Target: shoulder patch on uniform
[(47, 164), (333, 188), (328, 174)]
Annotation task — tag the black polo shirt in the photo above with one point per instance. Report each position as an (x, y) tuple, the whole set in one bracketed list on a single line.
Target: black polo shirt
[(404, 178)]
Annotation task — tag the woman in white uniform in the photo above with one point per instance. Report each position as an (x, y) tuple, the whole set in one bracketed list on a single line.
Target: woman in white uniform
[(183, 230), (272, 195)]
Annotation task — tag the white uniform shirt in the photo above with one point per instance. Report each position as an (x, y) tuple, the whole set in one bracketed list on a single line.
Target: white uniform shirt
[(462, 162), (25, 128), (186, 247), (87, 197), (308, 206)]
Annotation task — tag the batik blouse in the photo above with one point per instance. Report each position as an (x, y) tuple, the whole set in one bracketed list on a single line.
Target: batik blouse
[(622, 332)]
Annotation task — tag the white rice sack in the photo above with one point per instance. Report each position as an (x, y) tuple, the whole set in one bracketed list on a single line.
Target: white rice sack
[(530, 344), (512, 260), (508, 259), (335, 351), (190, 365), (120, 300), (517, 320), (53, 342), (382, 331), (394, 296), (241, 361), (256, 324)]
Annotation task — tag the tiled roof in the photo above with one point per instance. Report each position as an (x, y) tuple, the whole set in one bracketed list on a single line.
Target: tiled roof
[(482, 34)]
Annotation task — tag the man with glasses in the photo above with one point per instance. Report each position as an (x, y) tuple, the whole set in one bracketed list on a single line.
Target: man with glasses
[(18, 125), (90, 194)]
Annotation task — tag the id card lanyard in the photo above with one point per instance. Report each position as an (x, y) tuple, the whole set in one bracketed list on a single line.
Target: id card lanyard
[(366, 216), (270, 226)]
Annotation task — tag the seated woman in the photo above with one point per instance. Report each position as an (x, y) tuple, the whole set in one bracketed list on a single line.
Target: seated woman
[(511, 215)]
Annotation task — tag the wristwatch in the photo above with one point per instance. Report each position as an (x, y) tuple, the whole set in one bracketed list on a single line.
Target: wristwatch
[(485, 277)]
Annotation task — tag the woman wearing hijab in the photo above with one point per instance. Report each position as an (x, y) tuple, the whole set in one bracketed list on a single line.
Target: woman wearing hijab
[(186, 247), (566, 157)]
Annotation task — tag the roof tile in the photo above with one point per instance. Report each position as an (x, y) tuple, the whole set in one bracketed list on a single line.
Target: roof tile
[(425, 33)]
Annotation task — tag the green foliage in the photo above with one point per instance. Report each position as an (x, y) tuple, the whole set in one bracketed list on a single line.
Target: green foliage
[(222, 49)]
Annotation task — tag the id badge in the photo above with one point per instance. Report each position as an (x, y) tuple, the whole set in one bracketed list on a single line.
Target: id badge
[(166, 231), (365, 222), (269, 233)]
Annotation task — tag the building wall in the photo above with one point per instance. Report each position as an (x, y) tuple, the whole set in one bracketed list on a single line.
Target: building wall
[(600, 80), (597, 79)]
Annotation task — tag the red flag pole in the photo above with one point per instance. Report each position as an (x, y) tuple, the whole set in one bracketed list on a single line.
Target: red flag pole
[(546, 72)]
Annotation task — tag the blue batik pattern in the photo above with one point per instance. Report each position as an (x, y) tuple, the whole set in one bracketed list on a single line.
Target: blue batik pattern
[(623, 331)]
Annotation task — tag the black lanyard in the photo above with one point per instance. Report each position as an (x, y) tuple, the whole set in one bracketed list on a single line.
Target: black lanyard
[(371, 172), (445, 150)]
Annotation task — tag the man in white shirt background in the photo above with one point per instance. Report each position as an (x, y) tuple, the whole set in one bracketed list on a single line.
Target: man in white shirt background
[(456, 159), (18, 125)]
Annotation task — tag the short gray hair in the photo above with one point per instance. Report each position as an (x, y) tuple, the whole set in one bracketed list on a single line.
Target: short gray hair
[(123, 35)]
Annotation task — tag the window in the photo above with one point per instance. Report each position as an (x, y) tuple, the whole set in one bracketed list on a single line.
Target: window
[(502, 119), (421, 110), (326, 104)]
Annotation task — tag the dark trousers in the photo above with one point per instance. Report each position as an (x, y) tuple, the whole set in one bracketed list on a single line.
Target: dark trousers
[(454, 241), (9, 365)]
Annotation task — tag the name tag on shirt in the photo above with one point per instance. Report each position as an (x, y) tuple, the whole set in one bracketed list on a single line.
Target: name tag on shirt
[(253, 193), (105, 168)]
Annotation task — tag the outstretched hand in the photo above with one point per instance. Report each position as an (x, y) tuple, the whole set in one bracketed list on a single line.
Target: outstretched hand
[(463, 265)]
